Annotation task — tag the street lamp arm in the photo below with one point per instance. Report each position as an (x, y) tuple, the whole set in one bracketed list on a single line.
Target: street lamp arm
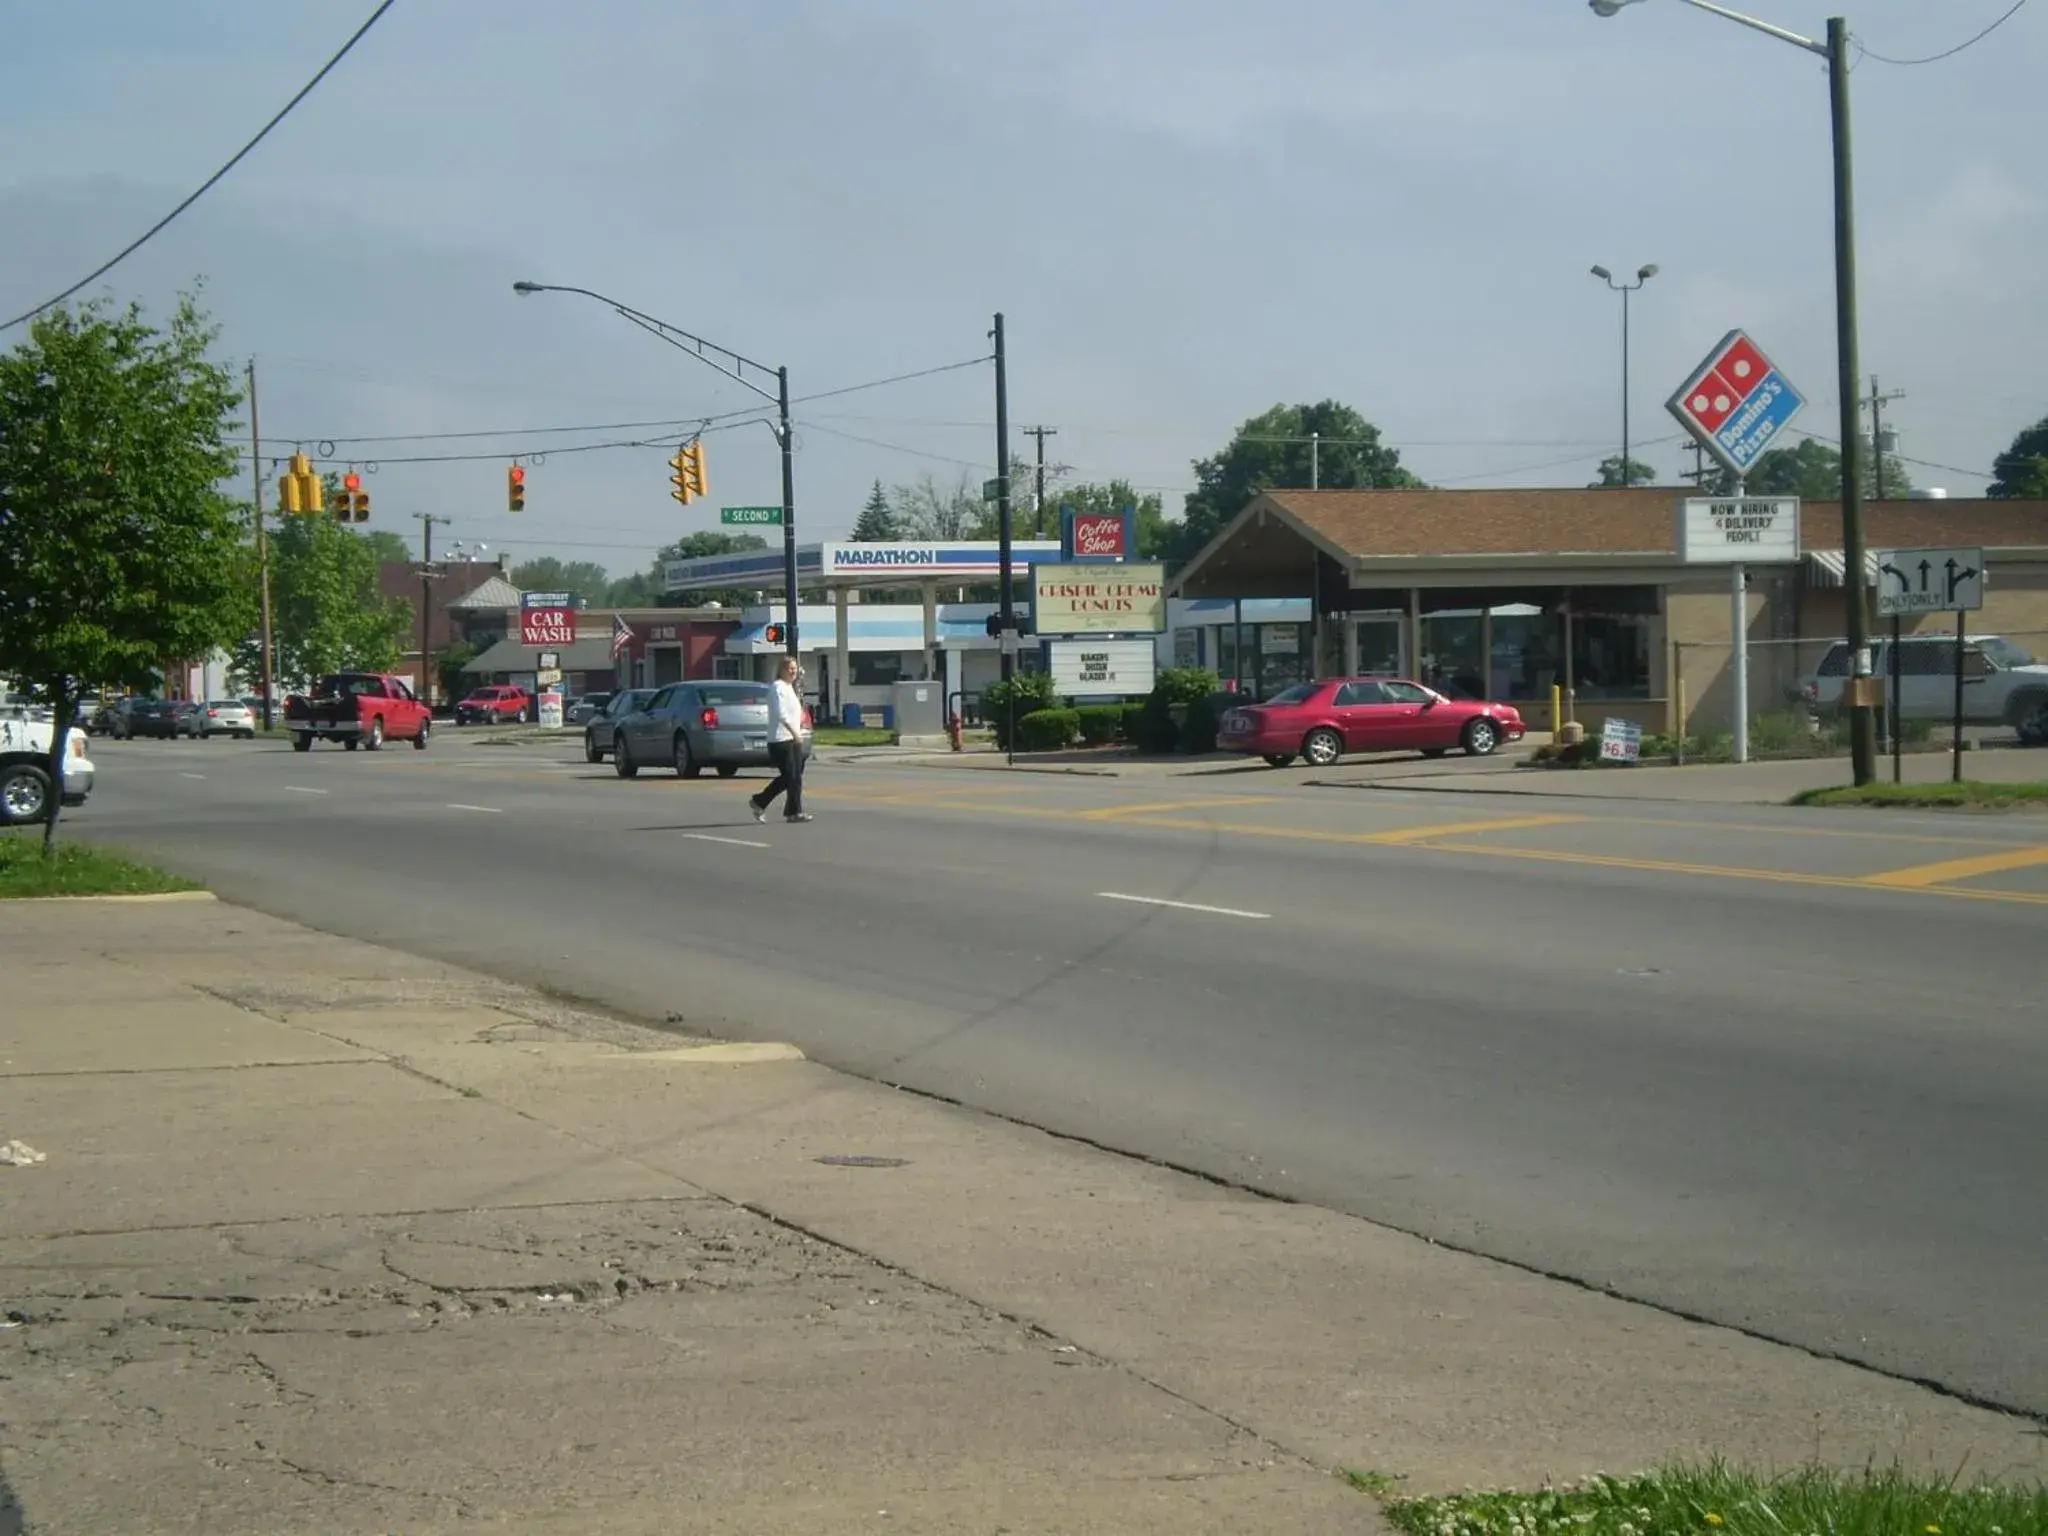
[(1781, 33), (728, 362)]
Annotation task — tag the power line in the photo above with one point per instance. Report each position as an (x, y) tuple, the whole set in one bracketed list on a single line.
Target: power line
[(1936, 58), (207, 185)]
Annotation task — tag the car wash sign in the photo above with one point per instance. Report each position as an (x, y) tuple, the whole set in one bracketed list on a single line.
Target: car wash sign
[(1086, 598), (547, 618), (1736, 403)]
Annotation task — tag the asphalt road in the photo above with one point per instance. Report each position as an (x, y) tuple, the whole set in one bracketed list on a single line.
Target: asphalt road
[(1783, 1070)]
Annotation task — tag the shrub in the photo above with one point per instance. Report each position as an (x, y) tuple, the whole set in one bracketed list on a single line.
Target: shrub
[(1780, 734), (1047, 730), (1180, 695), (1100, 723), (1130, 715), (1033, 692), (1198, 724)]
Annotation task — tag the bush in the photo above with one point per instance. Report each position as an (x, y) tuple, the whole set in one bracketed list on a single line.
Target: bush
[(1198, 724), (1032, 691), (1780, 735), (1100, 723), (1128, 723), (1047, 730), (1181, 711)]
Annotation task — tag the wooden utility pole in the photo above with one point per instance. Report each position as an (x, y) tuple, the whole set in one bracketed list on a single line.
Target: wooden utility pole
[(262, 552)]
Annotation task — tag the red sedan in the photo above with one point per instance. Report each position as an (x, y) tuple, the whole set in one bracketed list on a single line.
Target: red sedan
[(1322, 721)]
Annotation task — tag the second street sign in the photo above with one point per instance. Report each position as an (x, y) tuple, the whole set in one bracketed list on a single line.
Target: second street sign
[(750, 517)]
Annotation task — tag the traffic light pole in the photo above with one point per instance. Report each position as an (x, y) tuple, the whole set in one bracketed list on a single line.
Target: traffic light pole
[(1006, 597), (262, 551), (789, 593)]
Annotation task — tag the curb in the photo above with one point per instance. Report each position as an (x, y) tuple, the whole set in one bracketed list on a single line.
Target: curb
[(132, 900)]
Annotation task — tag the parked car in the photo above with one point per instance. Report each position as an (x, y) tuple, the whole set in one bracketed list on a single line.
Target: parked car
[(169, 718), (358, 708), (227, 717), (600, 731), (694, 726), (586, 709), (1321, 721), (496, 704), (25, 768), (2002, 683)]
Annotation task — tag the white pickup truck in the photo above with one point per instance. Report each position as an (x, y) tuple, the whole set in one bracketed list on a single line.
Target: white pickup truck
[(25, 766), (2002, 684)]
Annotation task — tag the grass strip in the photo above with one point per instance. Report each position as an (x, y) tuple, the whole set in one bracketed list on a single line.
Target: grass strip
[(77, 869), (1719, 1500), (1972, 794)]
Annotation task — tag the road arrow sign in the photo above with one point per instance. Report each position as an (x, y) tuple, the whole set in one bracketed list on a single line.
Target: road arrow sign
[(750, 516), (1929, 581), (1736, 403)]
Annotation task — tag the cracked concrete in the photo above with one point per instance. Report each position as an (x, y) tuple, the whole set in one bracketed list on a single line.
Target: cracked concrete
[(336, 1239)]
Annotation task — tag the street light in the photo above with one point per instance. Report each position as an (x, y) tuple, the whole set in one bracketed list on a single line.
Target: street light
[(1855, 620), (736, 368), (1643, 275)]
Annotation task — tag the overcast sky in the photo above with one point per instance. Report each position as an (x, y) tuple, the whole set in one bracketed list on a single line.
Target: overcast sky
[(1187, 209)]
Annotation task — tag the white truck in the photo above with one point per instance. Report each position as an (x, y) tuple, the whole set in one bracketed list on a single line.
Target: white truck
[(25, 735), (2002, 684)]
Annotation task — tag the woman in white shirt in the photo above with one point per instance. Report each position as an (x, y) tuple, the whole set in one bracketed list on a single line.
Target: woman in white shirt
[(786, 747)]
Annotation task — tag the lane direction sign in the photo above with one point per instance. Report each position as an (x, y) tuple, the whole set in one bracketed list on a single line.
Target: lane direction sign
[(1929, 581), (1736, 403)]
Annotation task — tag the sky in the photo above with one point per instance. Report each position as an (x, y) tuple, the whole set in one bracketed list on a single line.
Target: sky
[(1187, 210)]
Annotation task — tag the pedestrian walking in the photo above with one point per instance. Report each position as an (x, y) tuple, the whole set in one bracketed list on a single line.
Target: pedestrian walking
[(788, 742)]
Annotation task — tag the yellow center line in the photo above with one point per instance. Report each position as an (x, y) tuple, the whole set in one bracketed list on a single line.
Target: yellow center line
[(1115, 812), (1920, 876), (1460, 828)]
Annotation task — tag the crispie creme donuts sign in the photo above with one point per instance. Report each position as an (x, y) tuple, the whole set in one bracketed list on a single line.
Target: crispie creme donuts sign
[(1078, 599)]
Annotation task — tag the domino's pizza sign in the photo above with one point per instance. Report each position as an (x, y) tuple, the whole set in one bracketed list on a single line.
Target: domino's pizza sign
[(1736, 403)]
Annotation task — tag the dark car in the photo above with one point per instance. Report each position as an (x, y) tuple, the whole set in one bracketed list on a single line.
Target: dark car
[(586, 709), (694, 726), (164, 717), (600, 731), (1322, 721)]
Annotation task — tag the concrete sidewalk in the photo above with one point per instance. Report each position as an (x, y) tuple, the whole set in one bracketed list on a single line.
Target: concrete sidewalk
[(332, 1238)]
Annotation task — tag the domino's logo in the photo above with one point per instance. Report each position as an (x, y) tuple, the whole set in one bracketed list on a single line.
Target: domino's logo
[(1736, 403)]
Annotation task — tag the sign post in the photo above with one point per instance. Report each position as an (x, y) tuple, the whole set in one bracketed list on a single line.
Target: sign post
[(1739, 531), (1930, 581), (547, 619)]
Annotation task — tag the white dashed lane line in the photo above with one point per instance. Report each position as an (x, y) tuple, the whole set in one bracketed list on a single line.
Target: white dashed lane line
[(732, 842), (301, 789), (191, 775), (1183, 906), (481, 810)]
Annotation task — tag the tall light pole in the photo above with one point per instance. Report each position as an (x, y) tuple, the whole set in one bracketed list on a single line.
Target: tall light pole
[(1848, 366), (1643, 275), (738, 369)]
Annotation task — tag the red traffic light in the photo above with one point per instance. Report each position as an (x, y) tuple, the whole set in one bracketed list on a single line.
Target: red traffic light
[(516, 474)]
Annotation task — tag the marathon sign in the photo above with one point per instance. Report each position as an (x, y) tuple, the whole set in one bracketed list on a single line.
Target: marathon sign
[(1080, 598), (894, 557), (1098, 535)]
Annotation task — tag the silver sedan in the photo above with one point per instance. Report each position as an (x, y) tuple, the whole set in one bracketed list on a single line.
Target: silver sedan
[(693, 726)]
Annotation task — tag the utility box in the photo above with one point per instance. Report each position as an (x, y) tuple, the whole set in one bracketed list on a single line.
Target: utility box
[(920, 709)]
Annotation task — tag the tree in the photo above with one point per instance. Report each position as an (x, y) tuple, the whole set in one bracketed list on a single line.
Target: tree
[(929, 510), (585, 578), (1093, 499), (878, 522), (327, 612), (2021, 472), (694, 546), (1812, 471), (118, 550), (1274, 449), (390, 548), (1612, 473)]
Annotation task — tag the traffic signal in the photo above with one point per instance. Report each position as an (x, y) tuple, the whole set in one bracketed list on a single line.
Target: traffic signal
[(300, 490), (688, 478), (774, 634), (515, 488), (353, 504)]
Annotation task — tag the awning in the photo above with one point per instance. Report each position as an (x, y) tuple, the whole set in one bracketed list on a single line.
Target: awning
[(1824, 567)]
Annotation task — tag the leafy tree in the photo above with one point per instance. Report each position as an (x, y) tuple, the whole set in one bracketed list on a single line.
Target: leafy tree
[(391, 549), (1613, 473), (691, 547), (2021, 472), (587, 579), (1092, 498), (327, 613), (1274, 449), (929, 510), (1812, 471), (118, 550), (878, 522)]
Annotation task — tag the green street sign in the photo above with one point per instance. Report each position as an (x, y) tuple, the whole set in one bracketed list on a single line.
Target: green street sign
[(992, 490), (749, 516)]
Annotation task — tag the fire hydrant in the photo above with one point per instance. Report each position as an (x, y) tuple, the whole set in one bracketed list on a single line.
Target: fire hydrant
[(953, 731)]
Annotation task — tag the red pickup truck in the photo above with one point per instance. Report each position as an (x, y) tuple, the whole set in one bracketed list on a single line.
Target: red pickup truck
[(365, 708)]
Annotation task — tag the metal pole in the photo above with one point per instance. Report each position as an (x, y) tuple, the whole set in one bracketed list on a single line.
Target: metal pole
[(1892, 661), (426, 604), (1006, 598), (265, 643), (1955, 772), (1855, 596), (789, 591), (1315, 461), (1627, 478), (1738, 619)]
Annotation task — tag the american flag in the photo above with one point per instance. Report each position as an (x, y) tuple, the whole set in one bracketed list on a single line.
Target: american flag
[(622, 636)]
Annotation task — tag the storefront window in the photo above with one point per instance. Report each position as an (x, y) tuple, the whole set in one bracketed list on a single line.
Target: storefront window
[(1611, 655), (875, 669)]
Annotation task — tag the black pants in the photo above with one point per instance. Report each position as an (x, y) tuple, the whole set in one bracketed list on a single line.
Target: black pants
[(788, 757)]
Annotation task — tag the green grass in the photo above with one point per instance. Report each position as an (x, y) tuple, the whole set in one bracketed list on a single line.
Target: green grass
[(1715, 1500), (1972, 794), (77, 870), (852, 736)]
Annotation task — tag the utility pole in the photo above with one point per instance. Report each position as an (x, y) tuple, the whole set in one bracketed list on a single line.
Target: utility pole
[(1878, 447), (1315, 461), (1855, 590), (262, 552), (1038, 495), (427, 575), (1005, 598)]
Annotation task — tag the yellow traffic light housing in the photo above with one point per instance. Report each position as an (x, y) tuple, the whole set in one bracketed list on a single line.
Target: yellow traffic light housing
[(515, 488), (682, 479), (299, 489), (353, 504), (693, 456)]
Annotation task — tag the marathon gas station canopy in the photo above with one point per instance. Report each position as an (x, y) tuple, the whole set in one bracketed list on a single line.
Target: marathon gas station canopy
[(843, 566)]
